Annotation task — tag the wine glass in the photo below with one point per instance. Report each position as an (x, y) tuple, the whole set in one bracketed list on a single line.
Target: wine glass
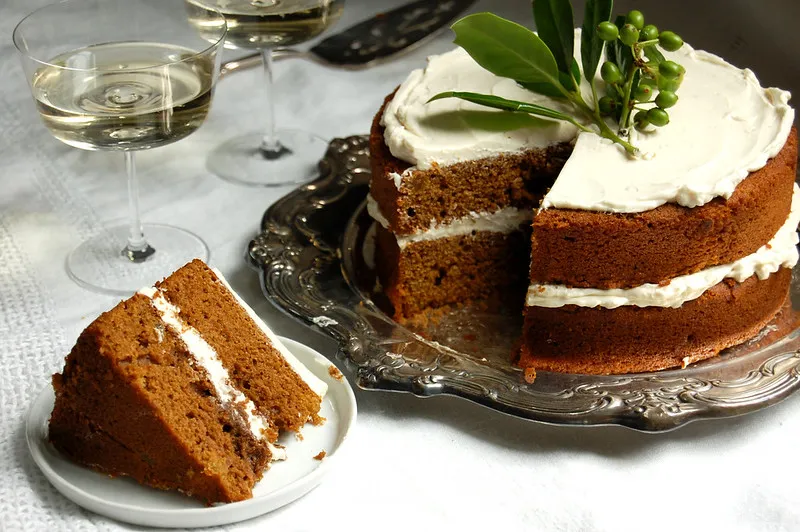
[(122, 75), (275, 156)]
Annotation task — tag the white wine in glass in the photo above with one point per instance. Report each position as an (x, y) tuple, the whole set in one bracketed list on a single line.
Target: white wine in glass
[(272, 157), (266, 24), (122, 75), (131, 108)]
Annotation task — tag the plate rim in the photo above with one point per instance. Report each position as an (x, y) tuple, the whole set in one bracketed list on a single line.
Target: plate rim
[(209, 515)]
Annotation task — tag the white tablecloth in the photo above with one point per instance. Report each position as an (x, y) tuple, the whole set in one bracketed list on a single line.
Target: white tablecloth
[(410, 463)]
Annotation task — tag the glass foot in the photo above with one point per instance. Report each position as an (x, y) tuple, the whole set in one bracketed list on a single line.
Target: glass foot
[(241, 159), (103, 264)]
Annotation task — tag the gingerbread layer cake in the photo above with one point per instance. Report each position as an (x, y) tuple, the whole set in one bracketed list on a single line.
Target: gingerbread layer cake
[(182, 387), (619, 264)]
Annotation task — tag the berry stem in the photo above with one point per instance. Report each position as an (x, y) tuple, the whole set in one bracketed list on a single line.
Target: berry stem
[(606, 132), (624, 119), (596, 99), (581, 126), (593, 114), (577, 100)]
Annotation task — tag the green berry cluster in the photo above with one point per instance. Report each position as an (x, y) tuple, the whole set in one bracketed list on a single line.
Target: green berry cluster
[(638, 77)]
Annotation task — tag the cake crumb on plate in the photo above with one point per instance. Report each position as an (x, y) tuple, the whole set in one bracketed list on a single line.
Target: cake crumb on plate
[(334, 372)]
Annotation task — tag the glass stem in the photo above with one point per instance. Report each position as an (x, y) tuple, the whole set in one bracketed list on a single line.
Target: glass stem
[(137, 249), (271, 147)]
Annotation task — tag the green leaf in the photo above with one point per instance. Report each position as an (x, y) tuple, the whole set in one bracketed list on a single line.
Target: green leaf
[(483, 119), (506, 49), (496, 102), (545, 89), (556, 28), (596, 11), (652, 54), (566, 81)]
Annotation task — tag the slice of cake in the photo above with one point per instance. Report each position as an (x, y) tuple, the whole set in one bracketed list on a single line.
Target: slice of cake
[(629, 264), (182, 387)]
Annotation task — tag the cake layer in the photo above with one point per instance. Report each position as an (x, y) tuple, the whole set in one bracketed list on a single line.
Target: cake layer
[(630, 339), (487, 266), (131, 401), (779, 252), (80, 439), (602, 250), (256, 365), (442, 193)]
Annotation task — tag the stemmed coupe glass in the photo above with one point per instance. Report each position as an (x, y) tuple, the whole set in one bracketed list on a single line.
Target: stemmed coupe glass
[(122, 75), (275, 156)]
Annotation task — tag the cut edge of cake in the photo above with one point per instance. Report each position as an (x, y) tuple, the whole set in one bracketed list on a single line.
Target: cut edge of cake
[(317, 385)]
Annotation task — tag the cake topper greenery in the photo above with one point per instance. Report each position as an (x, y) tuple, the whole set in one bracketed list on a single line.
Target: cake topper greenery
[(640, 84)]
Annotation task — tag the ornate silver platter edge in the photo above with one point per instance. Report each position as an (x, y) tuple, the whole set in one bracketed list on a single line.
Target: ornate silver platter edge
[(301, 254)]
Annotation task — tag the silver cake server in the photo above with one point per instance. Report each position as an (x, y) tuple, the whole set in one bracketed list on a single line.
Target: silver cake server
[(372, 41)]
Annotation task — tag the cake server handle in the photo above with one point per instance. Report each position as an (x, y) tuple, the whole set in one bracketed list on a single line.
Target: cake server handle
[(371, 41)]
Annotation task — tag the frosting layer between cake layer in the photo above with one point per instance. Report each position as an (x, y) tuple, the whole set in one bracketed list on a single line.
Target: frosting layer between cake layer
[(780, 251), (206, 358), (724, 126), (505, 220)]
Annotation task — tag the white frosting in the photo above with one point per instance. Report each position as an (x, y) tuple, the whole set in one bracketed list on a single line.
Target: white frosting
[(374, 211), (206, 357), (398, 178), (314, 383), (368, 248), (505, 220), (324, 321), (724, 126), (779, 252), (449, 131), (277, 452)]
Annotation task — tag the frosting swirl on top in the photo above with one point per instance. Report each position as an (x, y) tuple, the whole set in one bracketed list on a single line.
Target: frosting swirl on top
[(724, 127)]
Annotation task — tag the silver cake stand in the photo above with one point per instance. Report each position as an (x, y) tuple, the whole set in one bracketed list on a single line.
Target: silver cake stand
[(313, 255)]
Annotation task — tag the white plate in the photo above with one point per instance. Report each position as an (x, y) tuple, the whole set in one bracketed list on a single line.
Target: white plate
[(125, 500)]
